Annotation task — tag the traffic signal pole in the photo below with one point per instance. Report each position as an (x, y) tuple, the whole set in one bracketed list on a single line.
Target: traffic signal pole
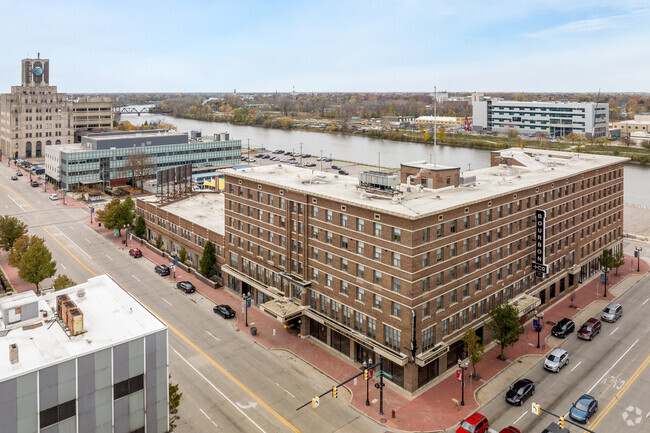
[(536, 409)]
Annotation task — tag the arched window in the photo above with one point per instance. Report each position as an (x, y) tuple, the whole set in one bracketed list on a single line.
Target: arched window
[(39, 147), (58, 142), (28, 149), (48, 143)]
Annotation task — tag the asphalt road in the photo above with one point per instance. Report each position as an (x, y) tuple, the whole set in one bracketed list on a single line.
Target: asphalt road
[(229, 383), (612, 368)]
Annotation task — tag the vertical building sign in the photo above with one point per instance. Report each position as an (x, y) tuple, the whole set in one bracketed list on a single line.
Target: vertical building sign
[(414, 343), (539, 266)]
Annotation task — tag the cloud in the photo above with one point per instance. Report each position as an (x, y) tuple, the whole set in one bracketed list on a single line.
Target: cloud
[(591, 25)]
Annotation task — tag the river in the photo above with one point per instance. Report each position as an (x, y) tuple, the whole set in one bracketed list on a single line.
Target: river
[(369, 150)]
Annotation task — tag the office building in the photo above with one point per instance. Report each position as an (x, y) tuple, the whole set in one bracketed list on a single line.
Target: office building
[(35, 115), (442, 121), (589, 119), (629, 127), (100, 158), (86, 359), (376, 267)]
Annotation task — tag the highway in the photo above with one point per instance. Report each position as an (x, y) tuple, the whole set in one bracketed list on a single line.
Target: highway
[(612, 368), (229, 383)]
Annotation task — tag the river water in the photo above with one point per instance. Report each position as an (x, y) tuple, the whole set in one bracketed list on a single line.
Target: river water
[(368, 150)]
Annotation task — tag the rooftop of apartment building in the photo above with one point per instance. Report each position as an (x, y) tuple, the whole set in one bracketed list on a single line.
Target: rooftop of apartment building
[(537, 167), (110, 316), (633, 122), (203, 209)]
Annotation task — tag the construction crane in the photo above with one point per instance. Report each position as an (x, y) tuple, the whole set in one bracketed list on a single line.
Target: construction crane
[(467, 127)]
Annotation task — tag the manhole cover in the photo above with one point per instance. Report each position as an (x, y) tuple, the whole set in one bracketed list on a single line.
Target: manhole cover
[(383, 420)]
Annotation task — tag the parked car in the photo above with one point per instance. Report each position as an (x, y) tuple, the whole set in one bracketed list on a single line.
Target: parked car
[(259, 155), (163, 270), (186, 286), (583, 408), (19, 173), (252, 160), (476, 423), (557, 359), (520, 391), (288, 152), (306, 155), (563, 327), (267, 156), (328, 160), (224, 310), (14, 177), (510, 429), (54, 196), (612, 312), (344, 172), (589, 329), (310, 164), (336, 167), (135, 253), (34, 183)]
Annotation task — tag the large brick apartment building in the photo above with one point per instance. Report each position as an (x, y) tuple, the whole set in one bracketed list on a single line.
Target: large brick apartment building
[(382, 267)]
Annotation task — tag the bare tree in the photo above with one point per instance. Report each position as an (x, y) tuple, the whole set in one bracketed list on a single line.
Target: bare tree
[(140, 166)]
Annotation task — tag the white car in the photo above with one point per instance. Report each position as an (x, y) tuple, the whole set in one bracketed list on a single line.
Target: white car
[(54, 196)]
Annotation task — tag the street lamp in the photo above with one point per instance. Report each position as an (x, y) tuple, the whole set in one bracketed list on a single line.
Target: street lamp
[(538, 324), (637, 254), (92, 210), (605, 271), (126, 237), (462, 367)]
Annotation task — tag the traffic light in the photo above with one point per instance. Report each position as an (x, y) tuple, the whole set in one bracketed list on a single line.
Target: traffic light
[(561, 422), (315, 402), (365, 374), (334, 391)]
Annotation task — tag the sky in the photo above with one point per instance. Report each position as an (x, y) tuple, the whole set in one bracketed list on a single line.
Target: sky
[(322, 46)]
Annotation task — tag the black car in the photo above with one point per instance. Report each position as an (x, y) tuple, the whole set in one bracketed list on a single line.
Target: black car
[(344, 172), (14, 177), (19, 173), (186, 286), (224, 310), (336, 167), (163, 270), (520, 391), (563, 328), (34, 183)]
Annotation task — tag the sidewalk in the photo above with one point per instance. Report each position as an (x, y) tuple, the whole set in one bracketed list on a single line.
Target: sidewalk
[(432, 410)]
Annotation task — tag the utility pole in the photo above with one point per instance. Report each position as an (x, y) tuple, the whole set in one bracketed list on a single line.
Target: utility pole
[(435, 123), (379, 160), (249, 149), (321, 160), (301, 153)]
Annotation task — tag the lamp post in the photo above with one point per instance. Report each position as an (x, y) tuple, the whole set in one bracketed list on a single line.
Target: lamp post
[(126, 238), (637, 253), (538, 327), (92, 210), (462, 367), (246, 301), (605, 271)]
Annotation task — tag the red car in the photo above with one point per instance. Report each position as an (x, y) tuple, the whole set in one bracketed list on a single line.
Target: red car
[(135, 253), (589, 329), (510, 429), (476, 423)]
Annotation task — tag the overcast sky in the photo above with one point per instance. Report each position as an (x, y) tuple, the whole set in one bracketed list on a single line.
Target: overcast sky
[(269, 45)]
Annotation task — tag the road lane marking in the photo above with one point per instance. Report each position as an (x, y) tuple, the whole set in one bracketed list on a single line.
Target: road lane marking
[(576, 366), (88, 241), (210, 419), (135, 277), (217, 389), (72, 242), (19, 196), (520, 417), (166, 301), (619, 394), (63, 266), (285, 390), (616, 329), (613, 365), (212, 335), (109, 257), (69, 252), (644, 302), (17, 204)]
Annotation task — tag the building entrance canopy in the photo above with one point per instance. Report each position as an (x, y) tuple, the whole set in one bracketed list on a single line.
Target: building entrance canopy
[(525, 303), (282, 309)]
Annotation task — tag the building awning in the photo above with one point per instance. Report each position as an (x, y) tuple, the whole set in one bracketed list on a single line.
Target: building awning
[(422, 359), (91, 182), (282, 309), (525, 303), (271, 291)]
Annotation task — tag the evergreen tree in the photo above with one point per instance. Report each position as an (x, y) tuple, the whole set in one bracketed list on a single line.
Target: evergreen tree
[(140, 227), (208, 260), (11, 229)]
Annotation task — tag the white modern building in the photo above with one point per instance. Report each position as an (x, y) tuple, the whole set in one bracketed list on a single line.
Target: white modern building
[(89, 358), (554, 118)]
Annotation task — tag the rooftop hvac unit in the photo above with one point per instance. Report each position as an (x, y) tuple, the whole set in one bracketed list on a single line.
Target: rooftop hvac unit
[(59, 303), (467, 180), (380, 183), (65, 307), (75, 321)]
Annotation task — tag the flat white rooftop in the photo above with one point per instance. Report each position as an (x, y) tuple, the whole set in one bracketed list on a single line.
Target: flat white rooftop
[(110, 316), (542, 167), (203, 209), (428, 165)]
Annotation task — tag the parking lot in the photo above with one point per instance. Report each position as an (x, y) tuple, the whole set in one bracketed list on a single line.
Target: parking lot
[(313, 162)]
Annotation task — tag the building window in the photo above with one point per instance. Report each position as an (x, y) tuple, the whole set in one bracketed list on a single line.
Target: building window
[(425, 235), (452, 226), (377, 253), (452, 297), (439, 255), (397, 260), (361, 248), (392, 338), (377, 230), (440, 302), (396, 284), (344, 288), (376, 301), (344, 220), (360, 225), (371, 327), (397, 235), (344, 242), (328, 215), (440, 230), (428, 338), (361, 294), (358, 321), (328, 280), (314, 212), (425, 309), (396, 309), (360, 271), (377, 277), (344, 264)]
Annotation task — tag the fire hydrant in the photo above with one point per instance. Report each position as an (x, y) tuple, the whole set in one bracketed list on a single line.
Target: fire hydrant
[(393, 413)]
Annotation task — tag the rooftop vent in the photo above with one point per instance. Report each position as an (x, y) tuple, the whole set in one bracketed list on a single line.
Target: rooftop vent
[(13, 353), (81, 293), (379, 183)]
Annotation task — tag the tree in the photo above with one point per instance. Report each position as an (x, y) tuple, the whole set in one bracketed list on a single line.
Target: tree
[(36, 264), (62, 281), (140, 227), (505, 325), (117, 214), (140, 165), (474, 348), (620, 260), (182, 255), (174, 402), (20, 248), (207, 266), (441, 134), (11, 229), (607, 262)]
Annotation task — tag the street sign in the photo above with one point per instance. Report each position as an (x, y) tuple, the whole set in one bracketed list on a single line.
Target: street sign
[(459, 375), (535, 409), (371, 372), (602, 277), (382, 373), (248, 302), (535, 323)]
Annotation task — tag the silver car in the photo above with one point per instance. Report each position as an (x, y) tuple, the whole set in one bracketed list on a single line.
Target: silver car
[(557, 359), (612, 312)]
